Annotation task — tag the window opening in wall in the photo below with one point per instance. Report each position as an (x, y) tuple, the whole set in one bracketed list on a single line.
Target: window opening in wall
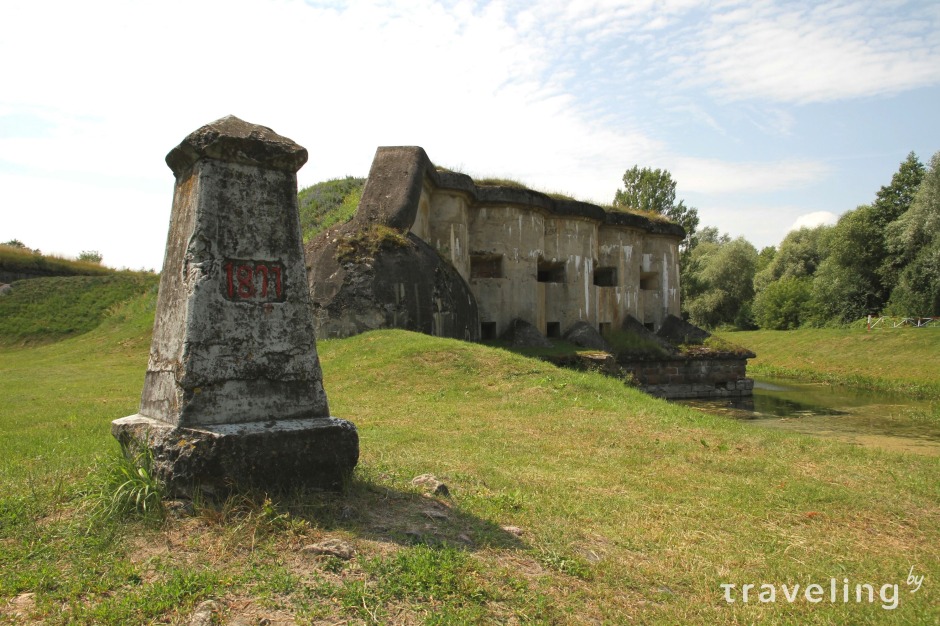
[(487, 330), (605, 277), (553, 329), (649, 281), (603, 328), (551, 272), (486, 266)]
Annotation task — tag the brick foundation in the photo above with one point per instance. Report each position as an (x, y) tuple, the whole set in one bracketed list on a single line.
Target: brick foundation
[(709, 377)]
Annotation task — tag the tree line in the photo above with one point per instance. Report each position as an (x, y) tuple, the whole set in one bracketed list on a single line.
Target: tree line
[(880, 258)]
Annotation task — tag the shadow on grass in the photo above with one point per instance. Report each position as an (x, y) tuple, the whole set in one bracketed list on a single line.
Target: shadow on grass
[(371, 510)]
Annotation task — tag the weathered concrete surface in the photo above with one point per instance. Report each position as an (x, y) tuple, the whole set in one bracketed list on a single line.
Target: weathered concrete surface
[(233, 337), (678, 331), (314, 453), (393, 188), (584, 335), (399, 286), (522, 334), (232, 140), (233, 340), (662, 347)]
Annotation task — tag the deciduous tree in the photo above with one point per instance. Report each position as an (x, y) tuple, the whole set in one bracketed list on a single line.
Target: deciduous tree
[(914, 240), (722, 273), (654, 191), (783, 304)]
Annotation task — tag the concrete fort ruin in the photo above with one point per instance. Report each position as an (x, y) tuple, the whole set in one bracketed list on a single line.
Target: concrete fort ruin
[(233, 393), (433, 251), (520, 255)]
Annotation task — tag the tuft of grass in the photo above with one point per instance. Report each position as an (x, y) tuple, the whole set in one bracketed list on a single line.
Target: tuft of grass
[(127, 488), (713, 346), (366, 243), (500, 182), (248, 516), (557, 195), (653, 216), (449, 170)]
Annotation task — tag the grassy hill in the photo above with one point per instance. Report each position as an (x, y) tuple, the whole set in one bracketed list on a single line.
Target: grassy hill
[(16, 260), (902, 359), (41, 310), (574, 500), (327, 204)]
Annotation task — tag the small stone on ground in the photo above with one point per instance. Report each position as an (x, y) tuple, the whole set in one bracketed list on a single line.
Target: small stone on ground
[(331, 547), (431, 484)]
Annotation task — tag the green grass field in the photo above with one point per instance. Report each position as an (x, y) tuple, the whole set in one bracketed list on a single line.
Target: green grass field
[(906, 360), (574, 500)]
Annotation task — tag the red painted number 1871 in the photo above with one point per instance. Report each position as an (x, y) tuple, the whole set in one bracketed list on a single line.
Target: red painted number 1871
[(254, 281)]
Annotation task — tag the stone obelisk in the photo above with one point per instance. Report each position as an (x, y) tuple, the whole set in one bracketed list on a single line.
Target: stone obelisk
[(233, 393)]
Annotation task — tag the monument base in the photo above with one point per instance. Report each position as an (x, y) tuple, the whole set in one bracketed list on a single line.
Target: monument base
[(317, 453)]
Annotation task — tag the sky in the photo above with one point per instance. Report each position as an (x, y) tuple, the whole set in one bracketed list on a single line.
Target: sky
[(768, 114)]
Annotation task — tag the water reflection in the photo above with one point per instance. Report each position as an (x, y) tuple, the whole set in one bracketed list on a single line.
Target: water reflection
[(861, 417)]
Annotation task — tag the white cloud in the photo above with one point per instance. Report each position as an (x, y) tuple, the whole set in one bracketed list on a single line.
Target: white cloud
[(713, 176), (762, 224), (804, 52), (814, 219)]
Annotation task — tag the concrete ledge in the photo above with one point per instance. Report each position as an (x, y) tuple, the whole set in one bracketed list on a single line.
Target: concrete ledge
[(317, 453), (687, 391)]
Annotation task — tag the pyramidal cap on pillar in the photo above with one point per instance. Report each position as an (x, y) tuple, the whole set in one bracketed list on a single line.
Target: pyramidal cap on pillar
[(233, 392)]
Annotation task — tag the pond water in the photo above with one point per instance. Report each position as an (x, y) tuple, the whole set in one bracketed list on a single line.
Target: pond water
[(861, 417)]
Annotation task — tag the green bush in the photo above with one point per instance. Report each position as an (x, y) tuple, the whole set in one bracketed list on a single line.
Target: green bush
[(783, 304)]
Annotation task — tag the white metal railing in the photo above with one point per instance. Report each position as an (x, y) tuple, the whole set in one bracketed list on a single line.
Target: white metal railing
[(887, 321)]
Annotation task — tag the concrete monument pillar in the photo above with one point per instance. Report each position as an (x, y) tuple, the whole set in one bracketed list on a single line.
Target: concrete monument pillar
[(233, 393)]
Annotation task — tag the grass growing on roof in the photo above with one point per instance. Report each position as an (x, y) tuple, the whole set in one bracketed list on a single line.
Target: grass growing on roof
[(366, 243), (500, 182), (653, 216)]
